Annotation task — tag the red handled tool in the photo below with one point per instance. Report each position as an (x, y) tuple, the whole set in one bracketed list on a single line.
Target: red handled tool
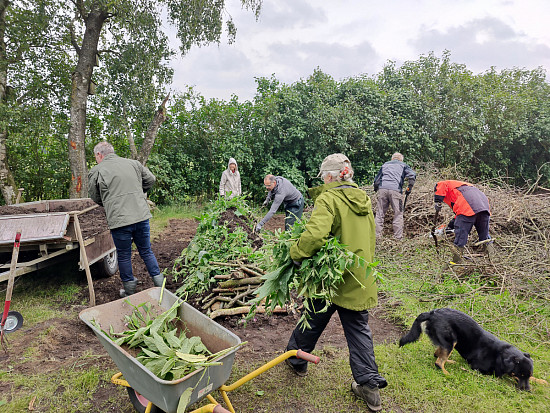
[(11, 320)]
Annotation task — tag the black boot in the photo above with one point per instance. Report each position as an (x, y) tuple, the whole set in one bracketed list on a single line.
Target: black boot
[(129, 288), (158, 280)]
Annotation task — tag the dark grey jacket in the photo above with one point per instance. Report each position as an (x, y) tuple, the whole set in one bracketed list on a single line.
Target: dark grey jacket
[(120, 185), (283, 192), (392, 175)]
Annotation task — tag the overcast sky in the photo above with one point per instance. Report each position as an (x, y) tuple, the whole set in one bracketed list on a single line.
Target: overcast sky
[(346, 38)]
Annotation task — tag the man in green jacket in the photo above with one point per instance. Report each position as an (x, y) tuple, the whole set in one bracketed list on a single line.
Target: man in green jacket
[(121, 186), (342, 210)]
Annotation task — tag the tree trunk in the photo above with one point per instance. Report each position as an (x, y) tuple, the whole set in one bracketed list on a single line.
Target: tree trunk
[(151, 133), (7, 183), (79, 99)]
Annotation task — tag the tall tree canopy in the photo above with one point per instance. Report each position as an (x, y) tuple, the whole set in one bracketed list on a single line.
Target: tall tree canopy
[(134, 33)]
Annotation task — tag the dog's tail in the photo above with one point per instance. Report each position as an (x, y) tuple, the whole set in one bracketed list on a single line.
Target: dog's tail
[(415, 331)]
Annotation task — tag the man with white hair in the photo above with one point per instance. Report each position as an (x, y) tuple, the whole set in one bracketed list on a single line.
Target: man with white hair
[(389, 185), (120, 185)]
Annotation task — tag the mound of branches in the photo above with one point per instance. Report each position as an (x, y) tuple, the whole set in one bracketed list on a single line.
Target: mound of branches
[(218, 266), (520, 227)]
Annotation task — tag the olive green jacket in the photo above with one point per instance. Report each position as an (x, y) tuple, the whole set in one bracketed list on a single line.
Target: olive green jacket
[(121, 185), (344, 212)]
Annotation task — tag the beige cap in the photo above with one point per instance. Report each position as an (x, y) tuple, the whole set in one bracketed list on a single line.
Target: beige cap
[(334, 162)]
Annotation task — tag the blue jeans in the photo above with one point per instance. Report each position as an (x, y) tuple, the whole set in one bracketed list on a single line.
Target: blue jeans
[(464, 224), (139, 234)]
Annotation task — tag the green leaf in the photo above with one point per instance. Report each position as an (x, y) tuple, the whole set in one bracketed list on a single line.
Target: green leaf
[(185, 398)]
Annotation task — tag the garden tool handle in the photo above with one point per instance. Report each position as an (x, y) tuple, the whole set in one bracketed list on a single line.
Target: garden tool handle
[(13, 268), (308, 357)]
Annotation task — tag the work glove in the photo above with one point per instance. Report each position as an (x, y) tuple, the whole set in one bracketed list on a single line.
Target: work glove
[(266, 202), (438, 206), (258, 227)]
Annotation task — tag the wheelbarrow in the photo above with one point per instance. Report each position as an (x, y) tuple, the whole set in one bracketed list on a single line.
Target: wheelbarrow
[(149, 393)]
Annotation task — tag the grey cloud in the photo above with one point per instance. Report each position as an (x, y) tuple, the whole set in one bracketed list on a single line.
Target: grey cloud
[(335, 59), (216, 72), (286, 14), (500, 45)]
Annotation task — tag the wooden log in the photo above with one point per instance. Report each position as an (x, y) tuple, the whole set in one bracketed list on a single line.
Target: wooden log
[(208, 297), (222, 277), (225, 264), (238, 283), (251, 272), (243, 310), (229, 290), (213, 300), (253, 267), (238, 296)]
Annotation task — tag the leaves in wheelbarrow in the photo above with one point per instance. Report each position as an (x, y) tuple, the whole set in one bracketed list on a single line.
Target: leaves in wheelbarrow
[(184, 399), (165, 351)]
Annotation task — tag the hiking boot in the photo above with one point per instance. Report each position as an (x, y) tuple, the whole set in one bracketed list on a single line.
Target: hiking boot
[(302, 372), (457, 254), (129, 288), (158, 280), (370, 395), (490, 250)]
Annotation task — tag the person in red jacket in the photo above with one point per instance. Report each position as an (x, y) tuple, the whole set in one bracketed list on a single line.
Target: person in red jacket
[(471, 207)]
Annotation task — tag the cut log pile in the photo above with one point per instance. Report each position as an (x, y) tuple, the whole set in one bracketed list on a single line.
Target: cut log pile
[(235, 291)]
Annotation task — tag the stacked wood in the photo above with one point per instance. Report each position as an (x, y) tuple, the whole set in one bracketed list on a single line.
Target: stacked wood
[(234, 292)]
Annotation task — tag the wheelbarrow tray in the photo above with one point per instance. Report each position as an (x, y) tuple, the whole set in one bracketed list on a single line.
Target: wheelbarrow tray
[(164, 394)]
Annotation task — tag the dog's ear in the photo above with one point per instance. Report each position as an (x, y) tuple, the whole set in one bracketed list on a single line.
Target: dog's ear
[(527, 355)]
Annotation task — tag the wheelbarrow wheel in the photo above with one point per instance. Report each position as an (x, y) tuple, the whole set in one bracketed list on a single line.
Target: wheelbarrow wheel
[(140, 403)]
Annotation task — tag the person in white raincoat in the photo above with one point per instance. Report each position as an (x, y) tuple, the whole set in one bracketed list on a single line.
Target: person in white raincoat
[(230, 184)]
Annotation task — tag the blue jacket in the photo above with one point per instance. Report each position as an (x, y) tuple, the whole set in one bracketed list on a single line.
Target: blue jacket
[(392, 175)]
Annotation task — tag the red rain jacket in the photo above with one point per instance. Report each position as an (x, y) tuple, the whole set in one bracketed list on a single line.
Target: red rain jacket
[(462, 197)]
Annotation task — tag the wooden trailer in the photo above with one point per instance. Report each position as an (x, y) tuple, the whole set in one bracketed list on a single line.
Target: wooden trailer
[(51, 233)]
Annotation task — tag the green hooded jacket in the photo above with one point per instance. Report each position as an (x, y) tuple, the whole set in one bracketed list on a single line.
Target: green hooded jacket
[(121, 185), (344, 212)]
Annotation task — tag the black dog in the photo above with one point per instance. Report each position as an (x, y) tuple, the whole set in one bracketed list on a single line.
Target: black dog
[(449, 329)]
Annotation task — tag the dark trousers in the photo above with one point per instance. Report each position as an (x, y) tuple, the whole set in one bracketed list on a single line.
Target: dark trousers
[(464, 224), (358, 336), (139, 234), (292, 212)]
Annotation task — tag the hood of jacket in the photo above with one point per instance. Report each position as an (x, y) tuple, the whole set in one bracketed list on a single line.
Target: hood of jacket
[(347, 192), (232, 160)]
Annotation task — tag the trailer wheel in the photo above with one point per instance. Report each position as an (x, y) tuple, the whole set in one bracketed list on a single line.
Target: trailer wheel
[(140, 403), (107, 267)]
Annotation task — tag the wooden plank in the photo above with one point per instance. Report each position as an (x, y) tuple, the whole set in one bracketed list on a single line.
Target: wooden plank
[(56, 204), (84, 260), (35, 227), (103, 243)]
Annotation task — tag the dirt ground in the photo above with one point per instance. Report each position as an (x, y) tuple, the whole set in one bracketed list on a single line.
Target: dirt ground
[(266, 335), (71, 338)]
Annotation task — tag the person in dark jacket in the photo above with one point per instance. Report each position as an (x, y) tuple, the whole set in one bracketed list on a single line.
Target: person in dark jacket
[(342, 210), (471, 207), (389, 185), (120, 185), (281, 191)]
